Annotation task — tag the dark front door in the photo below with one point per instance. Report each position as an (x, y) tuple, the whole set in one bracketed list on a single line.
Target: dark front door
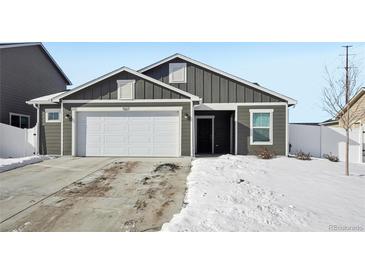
[(204, 136)]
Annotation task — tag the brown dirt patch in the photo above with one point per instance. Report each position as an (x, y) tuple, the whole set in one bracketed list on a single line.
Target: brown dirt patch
[(167, 167), (99, 186), (127, 167)]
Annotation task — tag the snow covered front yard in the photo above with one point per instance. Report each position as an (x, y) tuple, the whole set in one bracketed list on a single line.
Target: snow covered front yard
[(11, 163), (244, 193)]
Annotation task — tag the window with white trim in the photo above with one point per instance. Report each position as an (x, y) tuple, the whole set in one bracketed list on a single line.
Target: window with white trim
[(53, 115), (261, 126), (126, 89), (19, 120), (177, 73)]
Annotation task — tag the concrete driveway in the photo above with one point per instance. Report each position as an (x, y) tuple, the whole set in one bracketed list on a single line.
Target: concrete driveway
[(92, 194)]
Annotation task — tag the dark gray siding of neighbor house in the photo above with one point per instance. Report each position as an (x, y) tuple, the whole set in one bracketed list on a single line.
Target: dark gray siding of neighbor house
[(26, 73), (243, 130), (212, 87), (108, 89), (185, 126), (222, 129), (50, 134)]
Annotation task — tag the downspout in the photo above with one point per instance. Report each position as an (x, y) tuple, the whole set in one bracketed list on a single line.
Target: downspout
[(37, 129)]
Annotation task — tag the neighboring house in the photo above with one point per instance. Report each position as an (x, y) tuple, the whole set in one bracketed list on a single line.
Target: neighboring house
[(356, 108), (27, 71), (329, 137), (175, 107)]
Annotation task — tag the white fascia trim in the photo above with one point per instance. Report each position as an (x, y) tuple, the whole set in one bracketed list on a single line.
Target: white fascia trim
[(233, 106), (45, 99), (261, 110), (271, 142), (127, 101), (126, 109), (47, 110), (215, 107), (40, 102), (290, 101), (184, 93)]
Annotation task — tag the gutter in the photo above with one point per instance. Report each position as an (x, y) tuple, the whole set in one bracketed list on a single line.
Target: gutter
[(38, 128)]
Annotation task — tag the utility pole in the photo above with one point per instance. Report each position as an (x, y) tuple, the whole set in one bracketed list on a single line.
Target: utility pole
[(347, 91)]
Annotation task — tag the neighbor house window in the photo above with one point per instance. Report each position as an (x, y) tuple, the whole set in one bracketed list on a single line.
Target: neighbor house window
[(53, 115), (261, 121), (126, 89), (177, 72), (19, 120)]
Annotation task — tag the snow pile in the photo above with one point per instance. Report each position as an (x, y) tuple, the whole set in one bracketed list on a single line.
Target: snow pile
[(11, 163), (244, 193)]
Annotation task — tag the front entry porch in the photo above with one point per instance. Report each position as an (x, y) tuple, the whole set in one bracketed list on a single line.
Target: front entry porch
[(214, 132)]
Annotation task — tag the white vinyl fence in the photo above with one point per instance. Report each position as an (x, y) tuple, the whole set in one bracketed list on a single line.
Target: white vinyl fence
[(320, 140), (17, 142)]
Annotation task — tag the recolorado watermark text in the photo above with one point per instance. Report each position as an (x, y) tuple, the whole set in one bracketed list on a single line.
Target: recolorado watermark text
[(345, 228)]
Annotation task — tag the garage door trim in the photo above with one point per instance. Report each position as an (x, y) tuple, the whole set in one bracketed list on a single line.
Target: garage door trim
[(121, 109)]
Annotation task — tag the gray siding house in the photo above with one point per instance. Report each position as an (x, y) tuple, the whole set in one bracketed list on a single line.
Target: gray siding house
[(27, 71), (175, 107)]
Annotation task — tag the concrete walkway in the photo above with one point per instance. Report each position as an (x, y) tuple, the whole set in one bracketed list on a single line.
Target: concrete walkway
[(92, 194), (25, 186)]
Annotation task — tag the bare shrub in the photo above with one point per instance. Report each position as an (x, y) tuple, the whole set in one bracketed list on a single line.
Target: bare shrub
[(331, 157), (265, 153), (303, 156)]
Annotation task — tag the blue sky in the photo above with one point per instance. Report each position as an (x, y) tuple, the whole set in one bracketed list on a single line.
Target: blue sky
[(293, 69)]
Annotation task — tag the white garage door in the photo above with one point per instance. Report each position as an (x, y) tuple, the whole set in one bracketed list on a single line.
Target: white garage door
[(128, 133)]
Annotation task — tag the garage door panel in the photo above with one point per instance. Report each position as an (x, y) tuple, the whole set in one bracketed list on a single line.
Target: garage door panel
[(115, 151), (163, 150), (166, 139), (140, 151), (128, 133), (166, 126), (140, 126), (115, 139), (93, 151), (93, 127), (119, 128), (167, 119), (94, 139), (140, 139)]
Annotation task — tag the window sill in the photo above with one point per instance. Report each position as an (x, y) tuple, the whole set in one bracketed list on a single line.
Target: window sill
[(178, 82), (261, 144)]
